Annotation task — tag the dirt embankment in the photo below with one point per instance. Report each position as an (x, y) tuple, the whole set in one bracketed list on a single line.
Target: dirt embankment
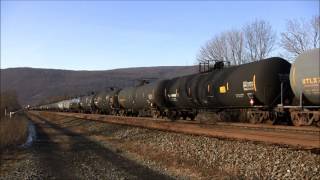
[(71, 148)]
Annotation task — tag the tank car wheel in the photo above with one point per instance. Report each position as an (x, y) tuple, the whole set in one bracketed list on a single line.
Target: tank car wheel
[(254, 117), (302, 118), (318, 124), (155, 114), (253, 120), (172, 115), (271, 119), (317, 120), (192, 117), (122, 113), (296, 120)]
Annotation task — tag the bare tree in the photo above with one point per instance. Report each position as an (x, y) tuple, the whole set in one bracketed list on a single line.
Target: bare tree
[(259, 39), (215, 49), (227, 46), (301, 35), (295, 40), (236, 45), (315, 27)]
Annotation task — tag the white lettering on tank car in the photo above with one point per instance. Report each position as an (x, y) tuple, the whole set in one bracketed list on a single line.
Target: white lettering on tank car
[(239, 95), (172, 97), (248, 85)]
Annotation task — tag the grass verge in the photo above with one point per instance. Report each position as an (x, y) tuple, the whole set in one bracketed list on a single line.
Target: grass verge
[(14, 131)]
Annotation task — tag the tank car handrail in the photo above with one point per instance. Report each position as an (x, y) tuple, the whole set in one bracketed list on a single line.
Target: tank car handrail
[(299, 106)]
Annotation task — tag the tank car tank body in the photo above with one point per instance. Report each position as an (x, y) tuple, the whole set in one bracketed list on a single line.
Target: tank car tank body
[(100, 103), (50, 106), (126, 99), (66, 105), (60, 105), (305, 83), (75, 104), (86, 104), (305, 78), (55, 106), (144, 100), (107, 102), (250, 85)]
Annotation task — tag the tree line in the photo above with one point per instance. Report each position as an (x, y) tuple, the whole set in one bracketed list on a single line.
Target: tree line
[(257, 40), (8, 102)]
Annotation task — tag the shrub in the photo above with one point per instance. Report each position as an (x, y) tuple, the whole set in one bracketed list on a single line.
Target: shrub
[(8, 101), (13, 131)]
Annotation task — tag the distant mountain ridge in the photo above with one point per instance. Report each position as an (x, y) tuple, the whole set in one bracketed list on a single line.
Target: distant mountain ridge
[(35, 85)]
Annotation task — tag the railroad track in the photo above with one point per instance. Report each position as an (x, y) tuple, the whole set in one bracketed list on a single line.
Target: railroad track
[(264, 127), (272, 127), (295, 137)]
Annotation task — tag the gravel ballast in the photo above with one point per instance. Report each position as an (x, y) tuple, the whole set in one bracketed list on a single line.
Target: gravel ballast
[(177, 156)]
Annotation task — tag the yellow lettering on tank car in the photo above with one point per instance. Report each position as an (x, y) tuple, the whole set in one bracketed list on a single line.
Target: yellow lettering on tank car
[(293, 76), (311, 80), (254, 83), (222, 89), (316, 80), (308, 81), (178, 92), (122, 99)]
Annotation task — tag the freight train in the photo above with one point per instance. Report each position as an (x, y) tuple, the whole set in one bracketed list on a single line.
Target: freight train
[(269, 90)]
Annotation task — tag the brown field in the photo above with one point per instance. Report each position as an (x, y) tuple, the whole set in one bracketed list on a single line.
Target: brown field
[(13, 131)]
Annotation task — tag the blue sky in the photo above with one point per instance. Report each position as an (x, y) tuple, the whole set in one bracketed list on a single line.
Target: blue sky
[(100, 35)]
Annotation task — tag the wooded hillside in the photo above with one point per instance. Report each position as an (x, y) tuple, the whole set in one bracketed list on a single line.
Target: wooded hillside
[(33, 86)]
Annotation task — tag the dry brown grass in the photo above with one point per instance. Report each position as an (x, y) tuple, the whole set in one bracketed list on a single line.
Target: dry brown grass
[(13, 131)]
